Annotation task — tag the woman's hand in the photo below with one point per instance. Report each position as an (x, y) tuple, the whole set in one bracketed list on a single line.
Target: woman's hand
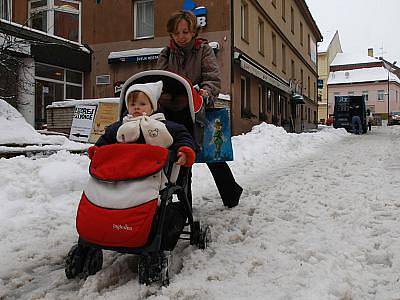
[(182, 158), (203, 93)]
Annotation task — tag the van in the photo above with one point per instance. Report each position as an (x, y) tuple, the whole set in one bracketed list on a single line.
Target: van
[(345, 108)]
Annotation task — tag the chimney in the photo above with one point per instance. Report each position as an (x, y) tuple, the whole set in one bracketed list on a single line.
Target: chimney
[(371, 52)]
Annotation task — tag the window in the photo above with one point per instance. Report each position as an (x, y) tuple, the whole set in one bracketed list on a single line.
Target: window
[(244, 21), (309, 45), (274, 49), (292, 19), (397, 96), (262, 102), (293, 70), (308, 87), (381, 95), (284, 10), (283, 58), (245, 96), (5, 9), (260, 36), (365, 94), (301, 33), (58, 17), (143, 19)]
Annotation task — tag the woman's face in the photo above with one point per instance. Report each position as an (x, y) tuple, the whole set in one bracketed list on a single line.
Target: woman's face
[(182, 36)]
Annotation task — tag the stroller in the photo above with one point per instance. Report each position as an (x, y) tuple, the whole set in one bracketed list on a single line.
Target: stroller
[(128, 205)]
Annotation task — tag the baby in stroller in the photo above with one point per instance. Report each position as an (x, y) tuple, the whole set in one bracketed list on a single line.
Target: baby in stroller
[(128, 203)]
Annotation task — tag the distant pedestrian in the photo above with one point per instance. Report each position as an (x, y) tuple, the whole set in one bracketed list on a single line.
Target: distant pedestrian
[(356, 124)]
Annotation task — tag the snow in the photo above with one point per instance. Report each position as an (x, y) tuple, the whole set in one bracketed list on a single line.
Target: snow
[(327, 39), (352, 59), (318, 219), (82, 47), (73, 102), (14, 131), (361, 75)]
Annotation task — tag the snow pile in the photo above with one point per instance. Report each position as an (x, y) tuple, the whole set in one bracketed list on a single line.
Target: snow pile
[(14, 130)]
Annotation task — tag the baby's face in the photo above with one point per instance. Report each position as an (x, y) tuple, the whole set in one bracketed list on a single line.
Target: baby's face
[(139, 104)]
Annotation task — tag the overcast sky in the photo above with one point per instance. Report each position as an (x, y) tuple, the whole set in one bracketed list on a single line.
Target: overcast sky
[(362, 24)]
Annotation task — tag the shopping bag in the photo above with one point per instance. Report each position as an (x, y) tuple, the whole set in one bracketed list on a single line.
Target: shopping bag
[(217, 145)]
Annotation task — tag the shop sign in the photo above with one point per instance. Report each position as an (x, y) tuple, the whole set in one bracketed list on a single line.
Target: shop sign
[(82, 122), (200, 12), (264, 76), (107, 113)]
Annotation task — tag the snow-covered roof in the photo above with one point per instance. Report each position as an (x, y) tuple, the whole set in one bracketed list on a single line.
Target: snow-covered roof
[(327, 39), (82, 47), (361, 75), (352, 59), (73, 102), (143, 54)]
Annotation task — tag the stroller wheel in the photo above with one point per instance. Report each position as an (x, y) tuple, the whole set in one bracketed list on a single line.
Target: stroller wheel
[(74, 261), (154, 268), (204, 237), (93, 262)]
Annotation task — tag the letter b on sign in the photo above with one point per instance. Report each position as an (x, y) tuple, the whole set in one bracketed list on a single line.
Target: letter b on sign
[(202, 21)]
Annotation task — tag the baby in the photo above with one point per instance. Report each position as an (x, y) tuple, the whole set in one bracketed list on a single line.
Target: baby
[(144, 125)]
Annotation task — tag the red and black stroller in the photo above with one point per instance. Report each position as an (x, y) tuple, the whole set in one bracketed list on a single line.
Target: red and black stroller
[(128, 204)]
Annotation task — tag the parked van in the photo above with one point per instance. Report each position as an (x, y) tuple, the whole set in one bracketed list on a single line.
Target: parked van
[(345, 108)]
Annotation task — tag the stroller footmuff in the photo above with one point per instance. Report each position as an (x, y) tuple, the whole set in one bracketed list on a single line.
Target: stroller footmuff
[(127, 207)]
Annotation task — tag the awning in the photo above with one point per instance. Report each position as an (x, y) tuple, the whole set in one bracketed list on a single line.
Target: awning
[(143, 54), (297, 99)]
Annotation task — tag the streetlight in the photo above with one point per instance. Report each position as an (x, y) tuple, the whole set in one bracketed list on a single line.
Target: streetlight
[(389, 68)]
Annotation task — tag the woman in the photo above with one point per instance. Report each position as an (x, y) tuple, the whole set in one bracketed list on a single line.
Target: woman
[(193, 58)]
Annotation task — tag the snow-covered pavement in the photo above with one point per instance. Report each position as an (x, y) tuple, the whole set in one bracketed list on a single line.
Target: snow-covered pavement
[(319, 219)]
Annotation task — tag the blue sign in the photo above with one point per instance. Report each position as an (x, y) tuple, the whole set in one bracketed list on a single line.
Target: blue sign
[(200, 12)]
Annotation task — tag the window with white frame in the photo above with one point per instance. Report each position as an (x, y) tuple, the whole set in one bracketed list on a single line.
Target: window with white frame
[(381, 95), (57, 17), (5, 9), (143, 11), (260, 36)]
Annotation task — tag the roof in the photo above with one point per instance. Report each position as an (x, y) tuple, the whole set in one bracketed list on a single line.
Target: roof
[(327, 40), (352, 59), (361, 75)]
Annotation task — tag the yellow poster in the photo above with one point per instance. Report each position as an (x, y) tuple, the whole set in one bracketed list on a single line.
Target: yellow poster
[(107, 113)]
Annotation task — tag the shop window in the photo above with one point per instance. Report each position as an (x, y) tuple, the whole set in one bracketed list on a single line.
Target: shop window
[(5, 9), (260, 36), (58, 17), (244, 21), (143, 19), (381, 95), (245, 97), (270, 98)]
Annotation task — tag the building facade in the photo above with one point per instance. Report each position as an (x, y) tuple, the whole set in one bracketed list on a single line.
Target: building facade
[(368, 77), (327, 51), (266, 49)]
